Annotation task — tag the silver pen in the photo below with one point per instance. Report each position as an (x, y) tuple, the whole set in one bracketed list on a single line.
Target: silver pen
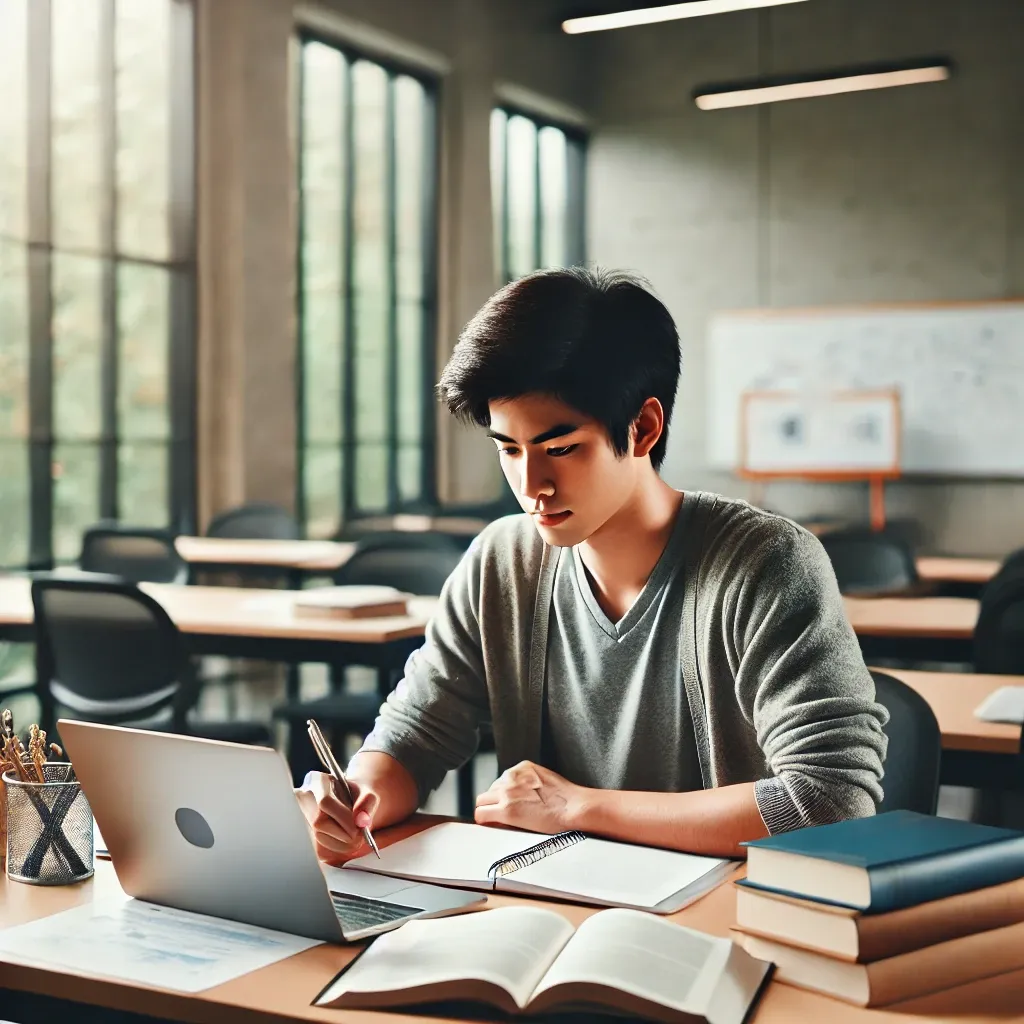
[(330, 762)]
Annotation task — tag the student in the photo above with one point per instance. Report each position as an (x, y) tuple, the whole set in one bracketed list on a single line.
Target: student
[(659, 667)]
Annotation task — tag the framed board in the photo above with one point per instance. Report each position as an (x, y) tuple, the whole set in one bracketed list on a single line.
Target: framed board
[(843, 434)]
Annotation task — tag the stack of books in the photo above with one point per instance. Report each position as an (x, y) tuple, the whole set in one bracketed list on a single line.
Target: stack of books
[(878, 910)]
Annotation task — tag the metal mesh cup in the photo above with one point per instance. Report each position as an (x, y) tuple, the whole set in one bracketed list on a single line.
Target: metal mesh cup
[(49, 828)]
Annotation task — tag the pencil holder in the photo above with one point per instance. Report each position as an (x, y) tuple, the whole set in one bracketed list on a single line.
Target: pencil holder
[(49, 828)]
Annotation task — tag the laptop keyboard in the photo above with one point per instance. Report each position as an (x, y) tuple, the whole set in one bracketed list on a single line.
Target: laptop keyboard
[(356, 912)]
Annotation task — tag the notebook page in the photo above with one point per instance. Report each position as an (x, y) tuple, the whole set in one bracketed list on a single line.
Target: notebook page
[(646, 956), (614, 873), (450, 853), (510, 947), (1004, 705)]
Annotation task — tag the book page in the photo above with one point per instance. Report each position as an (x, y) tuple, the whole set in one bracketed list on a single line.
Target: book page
[(616, 873), (646, 956), (452, 852), (510, 947)]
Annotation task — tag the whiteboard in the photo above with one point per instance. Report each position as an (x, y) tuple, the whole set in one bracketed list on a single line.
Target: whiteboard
[(787, 433), (959, 371)]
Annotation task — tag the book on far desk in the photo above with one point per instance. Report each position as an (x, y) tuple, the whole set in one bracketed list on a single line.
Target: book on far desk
[(529, 960), (568, 866), (885, 862), (350, 602)]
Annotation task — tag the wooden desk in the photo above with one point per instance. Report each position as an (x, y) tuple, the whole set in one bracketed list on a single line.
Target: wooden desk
[(293, 555), (914, 628), (283, 991), (241, 622), (976, 571), (953, 696)]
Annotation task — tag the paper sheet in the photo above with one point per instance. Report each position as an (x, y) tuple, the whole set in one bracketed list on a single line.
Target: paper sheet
[(139, 942), (1004, 705)]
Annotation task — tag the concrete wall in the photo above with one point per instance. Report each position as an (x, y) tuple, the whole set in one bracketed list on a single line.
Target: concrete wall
[(246, 223), (906, 194)]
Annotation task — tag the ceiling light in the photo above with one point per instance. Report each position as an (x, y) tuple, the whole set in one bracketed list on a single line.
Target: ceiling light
[(669, 12), (823, 83)]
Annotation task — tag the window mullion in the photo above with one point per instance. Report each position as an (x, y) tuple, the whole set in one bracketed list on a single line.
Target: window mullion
[(428, 246), (391, 294), (40, 309), (348, 483)]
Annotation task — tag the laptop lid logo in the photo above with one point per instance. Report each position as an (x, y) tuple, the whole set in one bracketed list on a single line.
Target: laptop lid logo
[(194, 828)]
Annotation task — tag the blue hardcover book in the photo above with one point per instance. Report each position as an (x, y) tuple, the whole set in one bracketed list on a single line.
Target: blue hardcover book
[(886, 862)]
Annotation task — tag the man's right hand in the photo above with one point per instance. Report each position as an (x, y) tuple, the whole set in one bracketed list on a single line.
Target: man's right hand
[(337, 830)]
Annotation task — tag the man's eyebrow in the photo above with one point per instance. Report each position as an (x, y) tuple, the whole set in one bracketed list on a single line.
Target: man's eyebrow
[(559, 430)]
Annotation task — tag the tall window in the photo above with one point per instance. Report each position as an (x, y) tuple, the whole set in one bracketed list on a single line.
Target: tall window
[(537, 192), (367, 187), (96, 270)]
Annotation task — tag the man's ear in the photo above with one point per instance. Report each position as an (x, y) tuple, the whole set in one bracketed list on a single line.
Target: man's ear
[(647, 427)]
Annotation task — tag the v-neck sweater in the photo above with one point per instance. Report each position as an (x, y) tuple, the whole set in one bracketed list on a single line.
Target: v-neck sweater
[(769, 669)]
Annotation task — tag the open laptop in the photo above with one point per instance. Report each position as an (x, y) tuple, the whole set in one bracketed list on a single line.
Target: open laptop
[(215, 828)]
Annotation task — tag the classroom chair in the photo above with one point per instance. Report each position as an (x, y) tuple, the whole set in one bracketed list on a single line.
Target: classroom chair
[(912, 761), (999, 631), (256, 520), (416, 563), (135, 554), (870, 563), (108, 652)]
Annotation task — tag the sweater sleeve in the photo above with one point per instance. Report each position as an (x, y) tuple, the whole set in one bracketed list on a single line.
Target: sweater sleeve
[(801, 680), (431, 722)]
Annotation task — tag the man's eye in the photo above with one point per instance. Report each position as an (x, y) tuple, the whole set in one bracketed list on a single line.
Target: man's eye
[(558, 452), (509, 451)]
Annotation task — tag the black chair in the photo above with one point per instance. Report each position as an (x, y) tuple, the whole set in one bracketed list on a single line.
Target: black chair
[(999, 631), (912, 763), (870, 563), (256, 520), (108, 652), (417, 563), (135, 554)]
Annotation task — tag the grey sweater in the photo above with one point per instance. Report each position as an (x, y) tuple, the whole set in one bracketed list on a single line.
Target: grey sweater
[(772, 672)]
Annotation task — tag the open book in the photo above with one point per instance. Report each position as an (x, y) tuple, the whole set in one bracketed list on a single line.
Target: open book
[(569, 866), (528, 960), (350, 602)]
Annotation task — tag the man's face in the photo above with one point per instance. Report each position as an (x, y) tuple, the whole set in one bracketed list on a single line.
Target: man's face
[(561, 466)]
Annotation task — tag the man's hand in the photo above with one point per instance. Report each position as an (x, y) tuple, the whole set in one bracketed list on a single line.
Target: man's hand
[(335, 828), (530, 797)]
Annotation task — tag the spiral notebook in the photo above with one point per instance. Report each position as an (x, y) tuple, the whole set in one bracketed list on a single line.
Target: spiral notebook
[(569, 866)]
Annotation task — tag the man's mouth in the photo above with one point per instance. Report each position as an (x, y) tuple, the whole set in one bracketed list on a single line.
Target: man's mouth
[(552, 518)]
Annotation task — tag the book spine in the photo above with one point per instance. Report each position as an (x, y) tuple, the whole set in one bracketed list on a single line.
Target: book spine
[(933, 878)]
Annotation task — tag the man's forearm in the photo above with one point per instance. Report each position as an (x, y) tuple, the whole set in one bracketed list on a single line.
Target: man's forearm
[(711, 821), (395, 789)]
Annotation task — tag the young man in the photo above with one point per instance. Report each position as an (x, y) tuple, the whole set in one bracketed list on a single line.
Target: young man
[(659, 667)]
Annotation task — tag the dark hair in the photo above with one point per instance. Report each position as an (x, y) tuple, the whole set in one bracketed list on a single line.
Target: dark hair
[(597, 340)]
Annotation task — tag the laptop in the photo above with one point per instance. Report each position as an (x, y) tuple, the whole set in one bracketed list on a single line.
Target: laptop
[(215, 828)]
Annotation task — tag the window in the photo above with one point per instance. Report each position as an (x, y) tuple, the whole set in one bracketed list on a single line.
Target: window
[(367, 195), (96, 270), (537, 191)]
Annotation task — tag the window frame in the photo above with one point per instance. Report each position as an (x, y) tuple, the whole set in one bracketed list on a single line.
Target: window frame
[(577, 139), (180, 266), (430, 203)]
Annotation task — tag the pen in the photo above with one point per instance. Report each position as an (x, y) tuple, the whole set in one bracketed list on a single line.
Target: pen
[(330, 762)]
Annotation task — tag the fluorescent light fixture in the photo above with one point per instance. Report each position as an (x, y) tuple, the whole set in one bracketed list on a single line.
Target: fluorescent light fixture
[(669, 12), (777, 89)]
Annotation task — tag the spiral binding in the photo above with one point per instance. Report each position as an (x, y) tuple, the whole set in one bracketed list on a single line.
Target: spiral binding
[(532, 854)]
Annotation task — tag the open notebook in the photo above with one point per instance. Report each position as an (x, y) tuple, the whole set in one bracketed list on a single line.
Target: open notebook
[(569, 866), (1003, 705)]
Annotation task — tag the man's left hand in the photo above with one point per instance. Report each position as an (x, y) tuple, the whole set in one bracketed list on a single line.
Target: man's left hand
[(530, 797)]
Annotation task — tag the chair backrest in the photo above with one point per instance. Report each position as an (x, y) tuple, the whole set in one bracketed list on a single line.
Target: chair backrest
[(866, 562), (418, 563), (999, 631), (911, 781), (256, 521), (108, 651), (136, 554)]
